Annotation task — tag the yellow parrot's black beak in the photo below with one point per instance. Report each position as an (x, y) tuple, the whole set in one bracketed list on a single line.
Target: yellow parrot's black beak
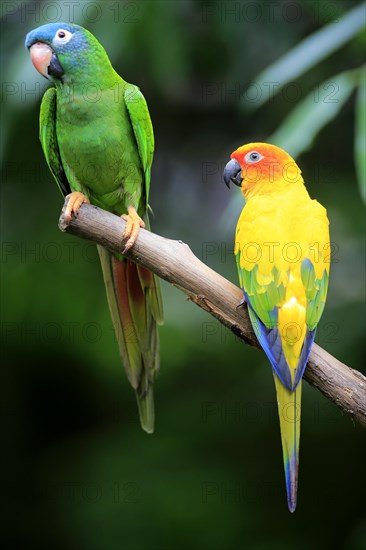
[(232, 173)]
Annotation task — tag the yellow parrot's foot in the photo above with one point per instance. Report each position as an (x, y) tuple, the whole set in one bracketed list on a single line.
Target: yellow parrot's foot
[(76, 199), (134, 222), (242, 304)]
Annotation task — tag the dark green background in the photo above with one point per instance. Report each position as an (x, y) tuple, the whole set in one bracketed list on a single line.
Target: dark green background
[(78, 471)]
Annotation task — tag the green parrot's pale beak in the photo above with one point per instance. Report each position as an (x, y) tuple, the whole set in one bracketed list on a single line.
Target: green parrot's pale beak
[(41, 55), (45, 60)]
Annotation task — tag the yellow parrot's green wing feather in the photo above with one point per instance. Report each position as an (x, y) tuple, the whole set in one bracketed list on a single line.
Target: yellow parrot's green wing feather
[(316, 263), (263, 301), (316, 292), (142, 129), (48, 137), (263, 281)]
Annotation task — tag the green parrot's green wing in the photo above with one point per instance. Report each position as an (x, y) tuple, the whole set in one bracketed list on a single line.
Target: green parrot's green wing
[(144, 135), (143, 130), (47, 135)]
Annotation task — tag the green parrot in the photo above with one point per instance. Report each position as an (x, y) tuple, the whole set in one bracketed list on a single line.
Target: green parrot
[(97, 137)]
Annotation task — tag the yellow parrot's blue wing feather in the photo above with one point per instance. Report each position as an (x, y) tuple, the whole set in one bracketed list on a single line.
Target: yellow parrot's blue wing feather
[(305, 352), (270, 341)]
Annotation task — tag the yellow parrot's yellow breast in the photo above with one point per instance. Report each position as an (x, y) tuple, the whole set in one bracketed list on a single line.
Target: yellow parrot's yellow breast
[(281, 230)]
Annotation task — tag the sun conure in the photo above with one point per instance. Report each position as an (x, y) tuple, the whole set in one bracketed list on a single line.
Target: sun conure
[(283, 256), (98, 140)]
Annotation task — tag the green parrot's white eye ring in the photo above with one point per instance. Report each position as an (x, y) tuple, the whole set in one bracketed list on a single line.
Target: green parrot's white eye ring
[(62, 36), (252, 157)]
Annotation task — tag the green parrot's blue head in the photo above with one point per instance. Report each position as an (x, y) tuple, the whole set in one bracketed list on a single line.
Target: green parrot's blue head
[(63, 52)]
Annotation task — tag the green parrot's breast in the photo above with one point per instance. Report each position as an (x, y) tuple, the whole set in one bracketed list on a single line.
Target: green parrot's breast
[(98, 149)]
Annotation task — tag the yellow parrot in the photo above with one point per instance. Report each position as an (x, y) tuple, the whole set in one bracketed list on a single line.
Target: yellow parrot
[(282, 251)]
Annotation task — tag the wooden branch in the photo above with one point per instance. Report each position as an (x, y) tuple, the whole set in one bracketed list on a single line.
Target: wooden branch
[(174, 262)]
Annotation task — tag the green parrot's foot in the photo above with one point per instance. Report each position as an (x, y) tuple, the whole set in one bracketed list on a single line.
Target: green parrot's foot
[(76, 199), (134, 222)]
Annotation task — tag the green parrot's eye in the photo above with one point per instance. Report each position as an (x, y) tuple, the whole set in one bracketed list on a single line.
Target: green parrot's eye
[(62, 36), (252, 157)]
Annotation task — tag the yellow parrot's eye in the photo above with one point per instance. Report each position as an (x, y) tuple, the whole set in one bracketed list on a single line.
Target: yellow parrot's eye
[(252, 157)]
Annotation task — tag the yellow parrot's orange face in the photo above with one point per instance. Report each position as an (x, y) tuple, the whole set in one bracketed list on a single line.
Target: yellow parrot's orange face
[(261, 165)]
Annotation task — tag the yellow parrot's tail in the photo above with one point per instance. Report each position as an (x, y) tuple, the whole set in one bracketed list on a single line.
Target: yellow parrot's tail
[(289, 412)]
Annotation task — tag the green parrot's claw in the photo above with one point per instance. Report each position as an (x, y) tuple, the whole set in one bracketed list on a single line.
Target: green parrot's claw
[(76, 199), (134, 222)]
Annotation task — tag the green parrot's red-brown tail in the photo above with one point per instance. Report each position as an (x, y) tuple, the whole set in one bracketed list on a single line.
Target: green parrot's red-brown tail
[(135, 304)]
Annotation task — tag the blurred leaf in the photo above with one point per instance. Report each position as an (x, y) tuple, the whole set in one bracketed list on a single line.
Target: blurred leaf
[(305, 121), (360, 136), (308, 53)]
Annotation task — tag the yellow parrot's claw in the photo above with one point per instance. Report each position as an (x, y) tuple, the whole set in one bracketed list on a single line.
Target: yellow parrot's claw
[(76, 199), (134, 222)]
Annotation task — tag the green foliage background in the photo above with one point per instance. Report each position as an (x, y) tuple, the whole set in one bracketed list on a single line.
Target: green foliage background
[(78, 471)]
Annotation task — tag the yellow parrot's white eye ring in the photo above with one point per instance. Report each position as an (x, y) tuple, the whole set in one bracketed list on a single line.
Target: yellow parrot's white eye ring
[(252, 157), (62, 36)]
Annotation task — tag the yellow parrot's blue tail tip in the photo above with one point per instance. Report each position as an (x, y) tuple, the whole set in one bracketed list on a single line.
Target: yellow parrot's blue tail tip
[(289, 409), (291, 470)]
